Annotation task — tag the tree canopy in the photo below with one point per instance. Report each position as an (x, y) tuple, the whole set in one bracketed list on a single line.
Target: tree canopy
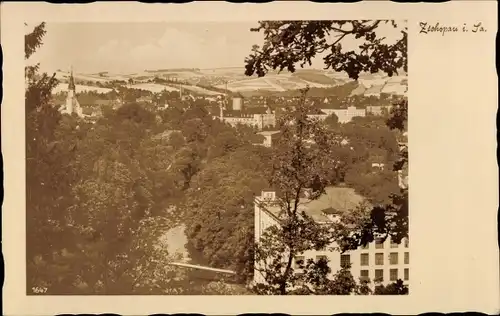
[(288, 43)]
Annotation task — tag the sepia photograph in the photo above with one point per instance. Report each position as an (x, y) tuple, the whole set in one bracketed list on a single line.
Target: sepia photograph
[(217, 158)]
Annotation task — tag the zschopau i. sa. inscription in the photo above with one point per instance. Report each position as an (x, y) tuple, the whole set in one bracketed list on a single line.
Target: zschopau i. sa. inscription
[(430, 28)]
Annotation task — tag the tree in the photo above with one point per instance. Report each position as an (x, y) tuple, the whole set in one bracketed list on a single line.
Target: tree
[(93, 218), (302, 159), (48, 175), (291, 43), (219, 210), (395, 288), (332, 121), (287, 43)]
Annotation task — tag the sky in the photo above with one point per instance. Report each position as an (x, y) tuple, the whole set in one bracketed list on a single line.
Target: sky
[(134, 47)]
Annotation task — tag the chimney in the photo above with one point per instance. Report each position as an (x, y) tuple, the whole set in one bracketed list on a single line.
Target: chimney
[(268, 195)]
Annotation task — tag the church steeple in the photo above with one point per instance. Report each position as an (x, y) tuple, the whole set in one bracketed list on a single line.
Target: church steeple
[(71, 85), (72, 104)]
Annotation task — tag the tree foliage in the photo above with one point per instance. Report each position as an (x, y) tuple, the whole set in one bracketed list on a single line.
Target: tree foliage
[(291, 43), (288, 43), (92, 200), (302, 159), (395, 288)]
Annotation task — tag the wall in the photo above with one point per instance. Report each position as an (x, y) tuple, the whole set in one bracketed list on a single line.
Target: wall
[(237, 104), (262, 222)]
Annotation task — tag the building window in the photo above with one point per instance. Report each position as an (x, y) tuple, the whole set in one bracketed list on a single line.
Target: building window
[(407, 257), (379, 275), (365, 246), (394, 245), (365, 259), (393, 258), (379, 244), (321, 257), (345, 261), (299, 262), (364, 275), (407, 274), (407, 243), (393, 274), (379, 259)]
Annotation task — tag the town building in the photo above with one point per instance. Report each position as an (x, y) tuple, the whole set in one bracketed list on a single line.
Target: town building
[(145, 99), (345, 115), (92, 111), (72, 105), (378, 109), (259, 117), (317, 114), (269, 137), (381, 262)]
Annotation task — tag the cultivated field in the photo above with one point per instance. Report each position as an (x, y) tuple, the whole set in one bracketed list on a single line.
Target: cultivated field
[(238, 82), (61, 75), (80, 88), (153, 87)]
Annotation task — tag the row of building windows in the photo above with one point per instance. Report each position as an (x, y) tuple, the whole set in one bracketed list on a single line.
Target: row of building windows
[(379, 244), (379, 274), (379, 258), (345, 259)]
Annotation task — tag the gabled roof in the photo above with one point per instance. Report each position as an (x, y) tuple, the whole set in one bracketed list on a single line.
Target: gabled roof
[(256, 110), (335, 199), (268, 133)]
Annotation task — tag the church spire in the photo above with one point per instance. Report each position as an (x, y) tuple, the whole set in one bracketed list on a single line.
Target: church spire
[(71, 85)]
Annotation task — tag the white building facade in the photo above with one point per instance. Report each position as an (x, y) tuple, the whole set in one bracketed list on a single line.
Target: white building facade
[(384, 262), (346, 115)]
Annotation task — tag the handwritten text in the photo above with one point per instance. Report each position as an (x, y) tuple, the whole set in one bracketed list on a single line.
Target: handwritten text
[(426, 28)]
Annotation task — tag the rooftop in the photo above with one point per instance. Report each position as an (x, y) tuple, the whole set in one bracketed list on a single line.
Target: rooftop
[(268, 133), (245, 112), (316, 111), (335, 200)]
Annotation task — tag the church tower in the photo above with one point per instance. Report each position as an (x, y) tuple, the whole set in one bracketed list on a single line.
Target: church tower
[(72, 105)]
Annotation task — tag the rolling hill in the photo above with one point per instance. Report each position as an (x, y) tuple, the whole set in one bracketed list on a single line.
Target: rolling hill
[(211, 82)]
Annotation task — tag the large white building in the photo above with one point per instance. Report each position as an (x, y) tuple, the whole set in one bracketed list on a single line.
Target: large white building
[(261, 117), (346, 115), (384, 262)]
